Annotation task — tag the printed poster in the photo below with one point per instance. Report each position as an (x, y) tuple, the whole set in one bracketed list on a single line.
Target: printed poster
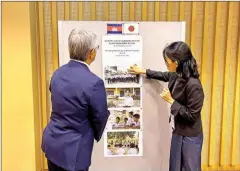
[(123, 132)]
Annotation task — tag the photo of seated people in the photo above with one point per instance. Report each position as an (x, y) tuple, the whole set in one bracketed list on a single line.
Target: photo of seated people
[(126, 119)]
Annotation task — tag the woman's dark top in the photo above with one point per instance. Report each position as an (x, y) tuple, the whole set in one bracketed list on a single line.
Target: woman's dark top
[(188, 95)]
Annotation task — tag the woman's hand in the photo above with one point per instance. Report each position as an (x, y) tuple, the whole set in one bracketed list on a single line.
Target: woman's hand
[(136, 70), (166, 95)]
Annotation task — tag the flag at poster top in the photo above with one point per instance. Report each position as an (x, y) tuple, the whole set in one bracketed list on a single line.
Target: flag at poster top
[(114, 28), (131, 28)]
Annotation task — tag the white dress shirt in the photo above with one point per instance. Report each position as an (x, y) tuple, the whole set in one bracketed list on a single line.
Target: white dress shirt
[(120, 151), (81, 62), (128, 101), (132, 151)]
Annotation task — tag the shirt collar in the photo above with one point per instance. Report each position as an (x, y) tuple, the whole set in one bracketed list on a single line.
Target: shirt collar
[(81, 62)]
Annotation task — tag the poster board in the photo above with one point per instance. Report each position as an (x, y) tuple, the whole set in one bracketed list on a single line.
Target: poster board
[(155, 116)]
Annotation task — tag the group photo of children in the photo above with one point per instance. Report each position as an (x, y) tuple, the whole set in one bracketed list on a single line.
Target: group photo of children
[(123, 143)]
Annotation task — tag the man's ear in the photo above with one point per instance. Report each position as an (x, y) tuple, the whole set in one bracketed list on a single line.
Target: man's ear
[(92, 53)]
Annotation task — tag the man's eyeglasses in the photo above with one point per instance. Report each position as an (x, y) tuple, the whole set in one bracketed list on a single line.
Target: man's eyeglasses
[(97, 47)]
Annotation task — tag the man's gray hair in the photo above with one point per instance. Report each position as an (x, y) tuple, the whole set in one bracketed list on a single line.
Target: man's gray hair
[(80, 43)]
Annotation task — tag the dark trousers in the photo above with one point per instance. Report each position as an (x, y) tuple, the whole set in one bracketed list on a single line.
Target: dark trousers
[(53, 167), (185, 153)]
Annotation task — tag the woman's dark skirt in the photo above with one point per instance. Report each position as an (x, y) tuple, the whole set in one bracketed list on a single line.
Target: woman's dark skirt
[(185, 153)]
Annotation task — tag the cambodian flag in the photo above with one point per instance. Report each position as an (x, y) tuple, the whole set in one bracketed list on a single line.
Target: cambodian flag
[(114, 28)]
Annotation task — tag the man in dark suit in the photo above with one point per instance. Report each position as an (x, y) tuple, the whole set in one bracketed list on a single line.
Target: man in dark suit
[(79, 107)]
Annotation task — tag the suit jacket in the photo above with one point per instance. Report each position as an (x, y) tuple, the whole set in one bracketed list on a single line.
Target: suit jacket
[(188, 95), (79, 115)]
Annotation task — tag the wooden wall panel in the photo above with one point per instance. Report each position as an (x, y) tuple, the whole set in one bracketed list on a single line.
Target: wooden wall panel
[(212, 31)]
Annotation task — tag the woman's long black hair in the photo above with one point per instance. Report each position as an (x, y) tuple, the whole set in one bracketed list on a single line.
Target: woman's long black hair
[(181, 53)]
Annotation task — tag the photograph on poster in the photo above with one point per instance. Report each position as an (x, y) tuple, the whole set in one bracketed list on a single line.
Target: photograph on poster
[(126, 143), (118, 53), (124, 119), (116, 74), (123, 97)]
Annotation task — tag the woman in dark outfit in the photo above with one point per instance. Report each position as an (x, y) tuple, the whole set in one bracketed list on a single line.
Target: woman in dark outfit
[(185, 94)]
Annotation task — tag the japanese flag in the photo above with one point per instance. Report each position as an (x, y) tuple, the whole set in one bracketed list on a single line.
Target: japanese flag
[(131, 28)]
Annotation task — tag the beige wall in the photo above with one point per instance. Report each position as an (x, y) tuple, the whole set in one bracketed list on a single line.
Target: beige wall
[(18, 144)]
